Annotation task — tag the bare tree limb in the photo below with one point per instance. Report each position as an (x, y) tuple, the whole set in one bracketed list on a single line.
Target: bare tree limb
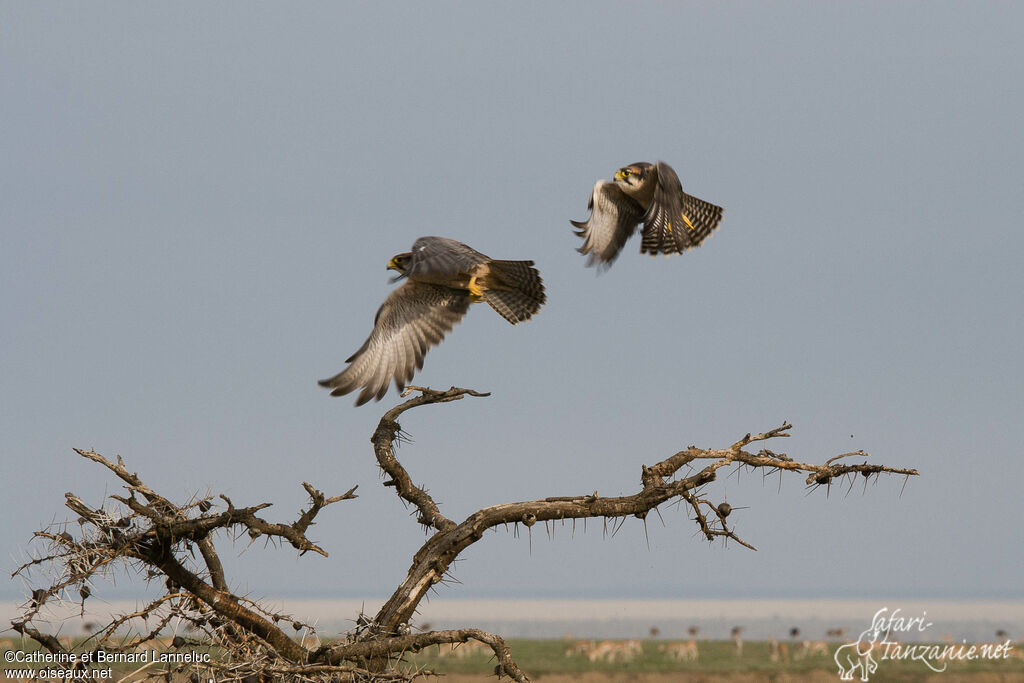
[(385, 647), (156, 537), (389, 432), (152, 536), (434, 559)]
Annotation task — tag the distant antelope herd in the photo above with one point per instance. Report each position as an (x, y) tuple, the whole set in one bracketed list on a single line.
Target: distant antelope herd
[(628, 650), (606, 650), (689, 650)]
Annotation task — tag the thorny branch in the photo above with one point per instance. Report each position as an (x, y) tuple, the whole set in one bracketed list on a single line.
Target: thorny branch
[(388, 432), (433, 560), (157, 538), (152, 536)]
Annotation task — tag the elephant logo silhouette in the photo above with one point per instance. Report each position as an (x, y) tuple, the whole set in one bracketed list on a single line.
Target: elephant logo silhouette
[(857, 657), (852, 657)]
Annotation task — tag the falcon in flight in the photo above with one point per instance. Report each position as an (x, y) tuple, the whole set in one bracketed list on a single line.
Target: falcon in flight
[(650, 194), (442, 277)]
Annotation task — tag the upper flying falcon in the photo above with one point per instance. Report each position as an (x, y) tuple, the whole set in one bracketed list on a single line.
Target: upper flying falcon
[(650, 194), (442, 278)]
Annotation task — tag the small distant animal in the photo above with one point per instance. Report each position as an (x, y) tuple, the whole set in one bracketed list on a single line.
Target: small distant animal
[(684, 652), (615, 651), (778, 652), (810, 648), (580, 648), (737, 639)]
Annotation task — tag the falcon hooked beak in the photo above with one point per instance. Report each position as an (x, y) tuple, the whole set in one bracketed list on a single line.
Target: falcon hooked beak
[(400, 264)]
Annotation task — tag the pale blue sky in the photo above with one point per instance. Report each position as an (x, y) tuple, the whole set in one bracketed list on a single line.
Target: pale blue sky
[(198, 202)]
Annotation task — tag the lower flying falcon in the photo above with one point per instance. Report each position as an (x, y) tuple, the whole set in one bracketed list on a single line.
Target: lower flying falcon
[(442, 278), (650, 194)]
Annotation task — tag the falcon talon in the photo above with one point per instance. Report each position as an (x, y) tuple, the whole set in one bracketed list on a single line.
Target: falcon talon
[(475, 293)]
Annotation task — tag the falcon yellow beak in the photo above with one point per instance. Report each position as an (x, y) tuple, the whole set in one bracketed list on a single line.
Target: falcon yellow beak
[(392, 265), (618, 175)]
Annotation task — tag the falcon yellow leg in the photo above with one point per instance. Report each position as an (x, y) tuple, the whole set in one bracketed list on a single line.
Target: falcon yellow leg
[(668, 225), (688, 223), (475, 293)]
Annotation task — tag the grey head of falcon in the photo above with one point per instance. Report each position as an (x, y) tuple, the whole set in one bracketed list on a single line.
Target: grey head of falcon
[(651, 194), (442, 277)]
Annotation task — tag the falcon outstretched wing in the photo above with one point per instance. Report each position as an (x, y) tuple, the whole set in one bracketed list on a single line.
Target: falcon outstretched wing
[(676, 221), (413, 318), (613, 217)]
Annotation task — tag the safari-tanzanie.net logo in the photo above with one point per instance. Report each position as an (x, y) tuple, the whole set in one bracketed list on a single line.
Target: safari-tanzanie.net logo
[(881, 642)]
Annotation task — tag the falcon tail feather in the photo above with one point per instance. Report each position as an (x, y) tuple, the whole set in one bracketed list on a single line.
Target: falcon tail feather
[(514, 289), (673, 230)]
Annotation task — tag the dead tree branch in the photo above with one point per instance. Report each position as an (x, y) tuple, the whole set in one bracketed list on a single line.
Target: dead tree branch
[(389, 432), (658, 485), (150, 535)]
